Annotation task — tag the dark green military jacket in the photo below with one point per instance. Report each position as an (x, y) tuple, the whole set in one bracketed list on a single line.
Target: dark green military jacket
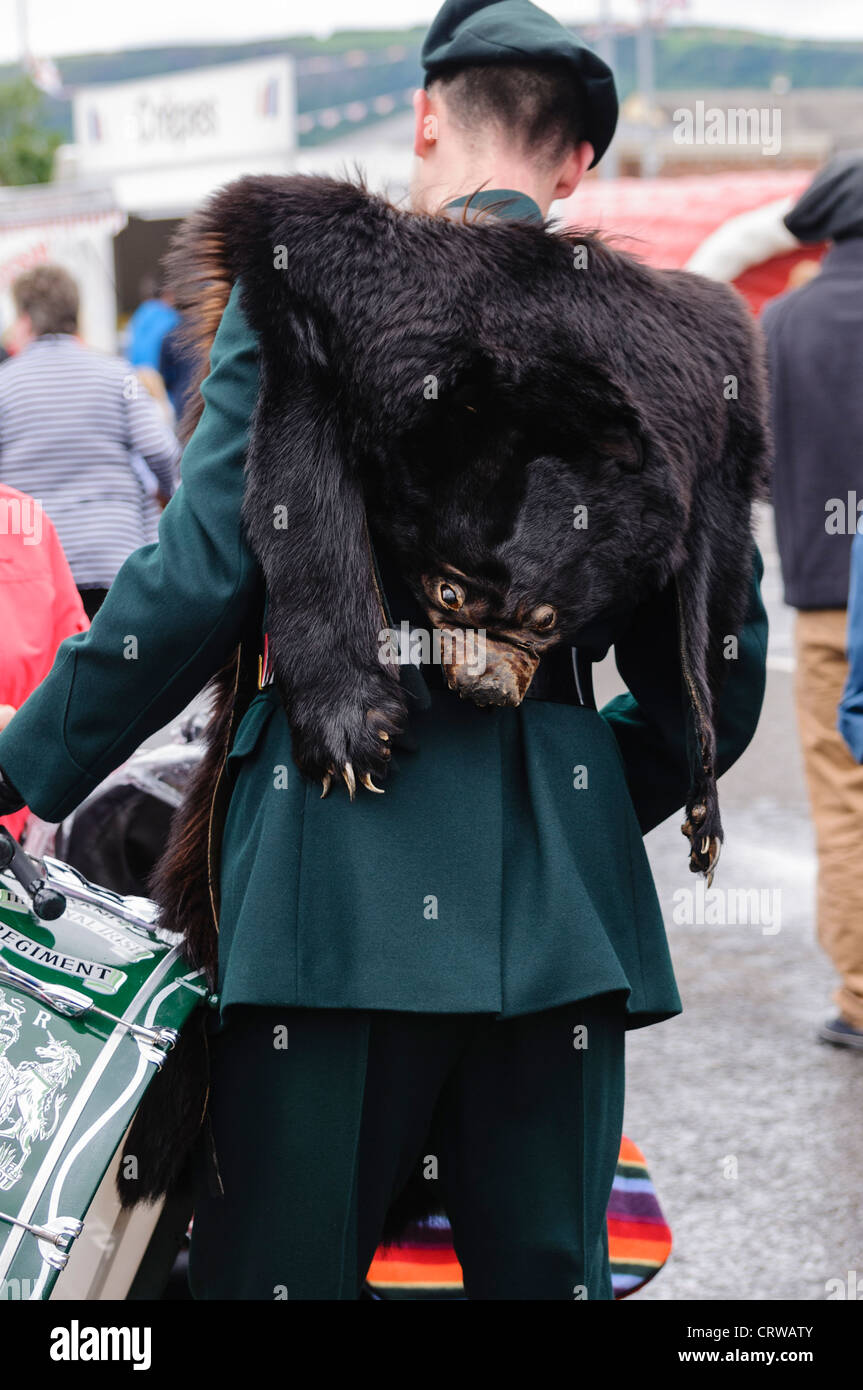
[(504, 869)]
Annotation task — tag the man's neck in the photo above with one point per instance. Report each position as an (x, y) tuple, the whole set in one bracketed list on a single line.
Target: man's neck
[(463, 182)]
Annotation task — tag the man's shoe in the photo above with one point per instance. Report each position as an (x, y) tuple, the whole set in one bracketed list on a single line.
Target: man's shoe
[(841, 1034)]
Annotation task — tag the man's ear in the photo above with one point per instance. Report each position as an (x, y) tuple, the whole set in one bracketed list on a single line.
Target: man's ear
[(425, 123), (573, 170), (21, 333)]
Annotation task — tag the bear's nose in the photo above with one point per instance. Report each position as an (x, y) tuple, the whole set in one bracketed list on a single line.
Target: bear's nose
[(498, 687), (502, 678)]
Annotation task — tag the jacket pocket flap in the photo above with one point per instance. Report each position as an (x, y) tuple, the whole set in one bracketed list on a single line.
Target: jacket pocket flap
[(252, 723)]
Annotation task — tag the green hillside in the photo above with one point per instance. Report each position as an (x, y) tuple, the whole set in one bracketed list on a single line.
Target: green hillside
[(687, 57)]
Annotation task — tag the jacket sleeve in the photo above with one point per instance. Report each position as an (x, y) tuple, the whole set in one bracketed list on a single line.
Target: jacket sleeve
[(650, 723), (171, 618), (851, 704)]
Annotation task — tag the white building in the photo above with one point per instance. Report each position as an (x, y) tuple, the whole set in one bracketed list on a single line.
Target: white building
[(147, 152), (164, 143), (145, 155), (72, 226)]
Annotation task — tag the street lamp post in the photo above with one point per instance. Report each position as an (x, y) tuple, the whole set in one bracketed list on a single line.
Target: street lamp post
[(646, 79), (608, 167)]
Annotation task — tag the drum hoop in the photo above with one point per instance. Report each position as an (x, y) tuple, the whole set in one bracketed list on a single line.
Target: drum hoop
[(99, 1123), (58, 1143)]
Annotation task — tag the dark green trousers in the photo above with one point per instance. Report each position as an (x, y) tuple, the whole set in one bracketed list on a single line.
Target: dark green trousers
[(520, 1121)]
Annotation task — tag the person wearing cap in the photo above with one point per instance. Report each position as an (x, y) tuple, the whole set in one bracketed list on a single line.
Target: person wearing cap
[(815, 343), (496, 1025)]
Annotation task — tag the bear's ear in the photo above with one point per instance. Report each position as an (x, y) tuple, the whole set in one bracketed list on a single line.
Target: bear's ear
[(604, 413), (475, 384), (623, 446)]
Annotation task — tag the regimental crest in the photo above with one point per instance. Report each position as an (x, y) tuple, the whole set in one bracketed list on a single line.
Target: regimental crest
[(11, 1014), (31, 1092)]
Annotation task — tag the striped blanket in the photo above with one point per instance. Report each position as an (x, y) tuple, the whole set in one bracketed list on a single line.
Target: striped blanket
[(424, 1265)]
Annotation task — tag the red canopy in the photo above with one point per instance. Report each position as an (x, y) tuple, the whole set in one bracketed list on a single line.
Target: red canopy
[(665, 220)]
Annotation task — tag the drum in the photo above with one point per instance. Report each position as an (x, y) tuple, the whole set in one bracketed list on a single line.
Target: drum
[(90, 1005)]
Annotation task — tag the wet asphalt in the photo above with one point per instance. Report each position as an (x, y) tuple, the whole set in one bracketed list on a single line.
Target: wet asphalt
[(753, 1130)]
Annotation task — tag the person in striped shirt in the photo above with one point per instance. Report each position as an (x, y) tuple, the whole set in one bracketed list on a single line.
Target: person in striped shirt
[(71, 421)]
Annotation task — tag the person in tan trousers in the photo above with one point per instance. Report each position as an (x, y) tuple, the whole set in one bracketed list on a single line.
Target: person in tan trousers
[(835, 783), (815, 345)]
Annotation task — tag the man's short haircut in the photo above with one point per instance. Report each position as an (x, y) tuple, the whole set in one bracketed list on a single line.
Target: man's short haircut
[(49, 296), (537, 104)]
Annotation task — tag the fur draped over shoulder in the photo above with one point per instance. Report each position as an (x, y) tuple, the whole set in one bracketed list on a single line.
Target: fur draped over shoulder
[(454, 392), (454, 389)]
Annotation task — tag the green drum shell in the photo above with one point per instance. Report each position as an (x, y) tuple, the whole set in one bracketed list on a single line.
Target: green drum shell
[(69, 1087)]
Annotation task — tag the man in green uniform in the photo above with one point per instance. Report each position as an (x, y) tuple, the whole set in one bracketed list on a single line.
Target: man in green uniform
[(444, 974)]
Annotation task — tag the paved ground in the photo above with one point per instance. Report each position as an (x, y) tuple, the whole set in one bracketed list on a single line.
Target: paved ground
[(752, 1129)]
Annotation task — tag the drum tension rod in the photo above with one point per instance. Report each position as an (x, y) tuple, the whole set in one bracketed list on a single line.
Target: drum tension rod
[(70, 1003), (55, 1239)]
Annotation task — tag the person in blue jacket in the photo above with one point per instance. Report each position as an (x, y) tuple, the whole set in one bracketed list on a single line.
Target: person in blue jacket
[(851, 704), (154, 318)]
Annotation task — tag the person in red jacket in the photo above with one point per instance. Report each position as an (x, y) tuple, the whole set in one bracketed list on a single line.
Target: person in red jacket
[(39, 605)]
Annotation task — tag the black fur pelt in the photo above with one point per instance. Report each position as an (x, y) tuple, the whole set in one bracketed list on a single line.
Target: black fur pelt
[(458, 389), (452, 391)]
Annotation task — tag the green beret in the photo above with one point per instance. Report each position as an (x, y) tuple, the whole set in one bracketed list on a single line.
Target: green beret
[(468, 33)]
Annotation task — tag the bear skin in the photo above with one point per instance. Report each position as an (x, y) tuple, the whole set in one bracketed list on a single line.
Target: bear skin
[(459, 393), (455, 390)]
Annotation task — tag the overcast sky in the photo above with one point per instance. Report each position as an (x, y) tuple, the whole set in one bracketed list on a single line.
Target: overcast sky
[(80, 26)]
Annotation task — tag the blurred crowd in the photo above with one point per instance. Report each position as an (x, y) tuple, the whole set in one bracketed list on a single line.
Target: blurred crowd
[(89, 456)]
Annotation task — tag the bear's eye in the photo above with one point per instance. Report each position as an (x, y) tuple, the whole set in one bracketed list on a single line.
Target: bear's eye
[(450, 595), (543, 617)]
